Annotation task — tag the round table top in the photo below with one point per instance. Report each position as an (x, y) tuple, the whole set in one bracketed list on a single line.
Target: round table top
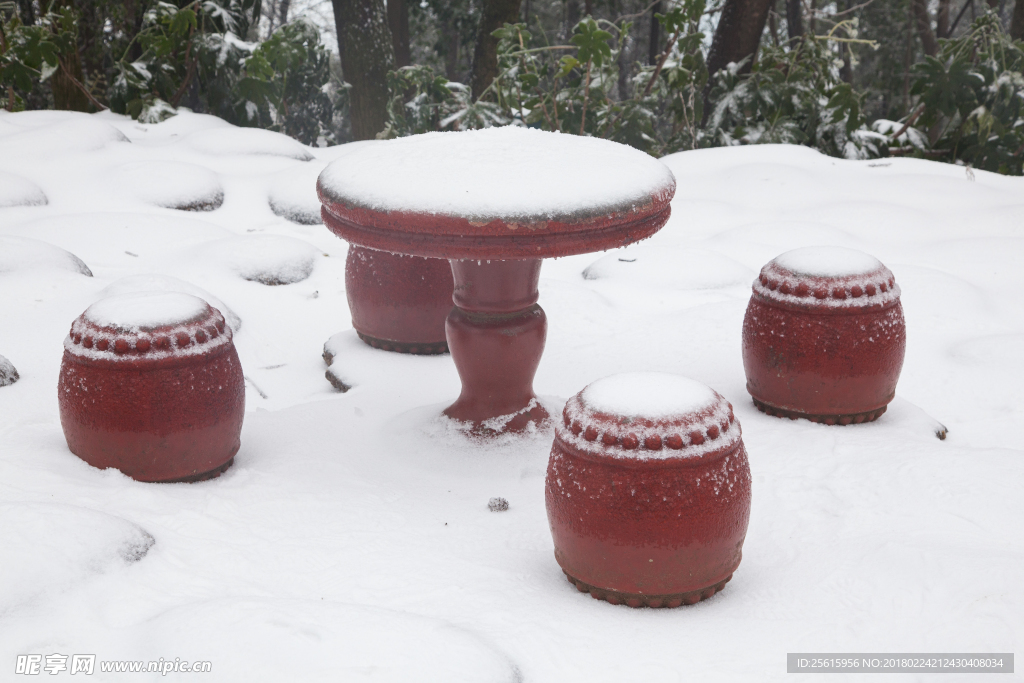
[(495, 193)]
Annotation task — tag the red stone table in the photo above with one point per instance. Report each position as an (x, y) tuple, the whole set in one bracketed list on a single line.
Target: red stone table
[(495, 202)]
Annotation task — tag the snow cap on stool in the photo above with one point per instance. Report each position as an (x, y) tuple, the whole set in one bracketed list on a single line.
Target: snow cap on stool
[(150, 325), (823, 278), (647, 415)]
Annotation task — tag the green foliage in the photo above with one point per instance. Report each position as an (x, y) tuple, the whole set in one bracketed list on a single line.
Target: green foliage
[(970, 97), (30, 54), (792, 97)]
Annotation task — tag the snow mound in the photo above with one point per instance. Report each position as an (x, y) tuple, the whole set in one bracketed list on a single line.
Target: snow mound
[(293, 195), (828, 262), (267, 259), (165, 283), (654, 395), (24, 253), (172, 185), (496, 173), (50, 547), (223, 141), (16, 191), (668, 267), (72, 135), (8, 373), (145, 310), (265, 639)]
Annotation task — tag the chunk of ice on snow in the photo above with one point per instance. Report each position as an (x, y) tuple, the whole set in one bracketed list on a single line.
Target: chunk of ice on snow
[(828, 262), (8, 373), (17, 191), (493, 173), (172, 185), (654, 395), (165, 283), (25, 253), (145, 310)]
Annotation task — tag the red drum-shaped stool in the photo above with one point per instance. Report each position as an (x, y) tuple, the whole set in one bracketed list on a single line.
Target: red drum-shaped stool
[(398, 302), (648, 490), (151, 384), (824, 336)]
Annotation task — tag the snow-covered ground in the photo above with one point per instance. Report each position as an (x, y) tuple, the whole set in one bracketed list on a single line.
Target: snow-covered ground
[(352, 540)]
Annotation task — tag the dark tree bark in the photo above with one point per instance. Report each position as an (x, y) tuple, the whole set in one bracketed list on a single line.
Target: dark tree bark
[(495, 14), (654, 46), (364, 42), (67, 94), (942, 20), (794, 19), (738, 34), (1017, 22), (451, 54), (398, 22), (283, 12), (27, 12), (924, 27)]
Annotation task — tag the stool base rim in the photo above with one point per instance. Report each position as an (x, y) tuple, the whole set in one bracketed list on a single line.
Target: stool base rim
[(838, 419), (642, 600), (414, 348)]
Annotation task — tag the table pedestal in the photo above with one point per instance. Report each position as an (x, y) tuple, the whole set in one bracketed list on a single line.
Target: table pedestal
[(496, 336)]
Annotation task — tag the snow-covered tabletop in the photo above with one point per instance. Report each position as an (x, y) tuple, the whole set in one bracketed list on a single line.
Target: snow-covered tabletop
[(495, 193), (352, 540)]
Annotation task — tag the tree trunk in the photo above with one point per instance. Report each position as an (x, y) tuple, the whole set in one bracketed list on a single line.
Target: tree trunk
[(27, 12), (942, 20), (1017, 22), (398, 22), (924, 27), (495, 14), (67, 95), (653, 51), (738, 34), (794, 19), (283, 12), (364, 43)]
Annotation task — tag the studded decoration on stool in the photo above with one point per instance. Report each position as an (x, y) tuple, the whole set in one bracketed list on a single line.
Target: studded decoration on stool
[(648, 490), (824, 336), (151, 384)]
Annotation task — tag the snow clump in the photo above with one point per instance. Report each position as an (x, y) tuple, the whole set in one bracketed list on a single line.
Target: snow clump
[(17, 191), (145, 310), (653, 395), (172, 185), (165, 283), (267, 259), (229, 141), (26, 254), (828, 262)]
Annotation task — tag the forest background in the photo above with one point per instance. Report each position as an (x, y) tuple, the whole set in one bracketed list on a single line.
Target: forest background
[(939, 79)]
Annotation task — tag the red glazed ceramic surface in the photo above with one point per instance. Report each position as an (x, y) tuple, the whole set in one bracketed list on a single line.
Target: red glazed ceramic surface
[(399, 303), (160, 402), (648, 510), (824, 343)]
